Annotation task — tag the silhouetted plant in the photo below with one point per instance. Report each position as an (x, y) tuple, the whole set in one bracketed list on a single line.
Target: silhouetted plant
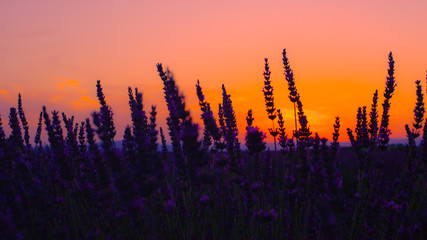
[(283, 138), (152, 129), (373, 120), (384, 131), (418, 111), (335, 136), (304, 132), (15, 139), (231, 131), (269, 103), (211, 130), (254, 136), (104, 121), (82, 139), (293, 93), (173, 122), (24, 122), (72, 188), (2, 139), (164, 147), (37, 138)]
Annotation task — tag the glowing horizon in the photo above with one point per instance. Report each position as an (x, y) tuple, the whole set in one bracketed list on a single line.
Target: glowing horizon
[(53, 53)]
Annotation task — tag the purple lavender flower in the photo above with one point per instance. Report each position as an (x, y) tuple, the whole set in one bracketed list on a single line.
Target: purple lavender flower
[(283, 138), (373, 119), (173, 102), (82, 139), (102, 173), (207, 139), (15, 138), (418, 110), (140, 134), (56, 140), (413, 133), (37, 139), (293, 93), (2, 136), (211, 128), (269, 103), (164, 148), (384, 131), (231, 133), (201, 96), (362, 137), (129, 145), (336, 133), (254, 137), (221, 145), (104, 121), (249, 118), (268, 92), (56, 122), (304, 132), (24, 122), (152, 129), (335, 136), (410, 135), (424, 141), (351, 137), (71, 138), (182, 129), (90, 136)]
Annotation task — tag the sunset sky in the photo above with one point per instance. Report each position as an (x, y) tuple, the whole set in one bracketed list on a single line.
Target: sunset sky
[(52, 52)]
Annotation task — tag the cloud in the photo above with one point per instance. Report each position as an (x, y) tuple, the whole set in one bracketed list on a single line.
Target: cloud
[(85, 102), (70, 94), (315, 118), (65, 83)]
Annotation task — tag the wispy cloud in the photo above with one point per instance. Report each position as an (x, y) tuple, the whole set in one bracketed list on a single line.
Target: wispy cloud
[(85, 102), (69, 93), (63, 83), (315, 118)]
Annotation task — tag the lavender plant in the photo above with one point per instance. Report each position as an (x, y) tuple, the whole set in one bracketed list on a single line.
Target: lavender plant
[(269, 101), (24, 123), (254, 137), (231, 132), (384, 131), (293, 93), (74, 187)]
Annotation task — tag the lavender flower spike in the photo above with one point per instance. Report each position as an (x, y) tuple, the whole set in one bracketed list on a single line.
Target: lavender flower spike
[(293, 95), (384, 132), (233, 145), (418, 111), (373, 120), (254, 137), (335, 136), (24, 122), (282, 131), (268, 92)]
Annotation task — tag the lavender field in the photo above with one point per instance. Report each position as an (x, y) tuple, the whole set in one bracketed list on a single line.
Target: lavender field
[(82, 185)]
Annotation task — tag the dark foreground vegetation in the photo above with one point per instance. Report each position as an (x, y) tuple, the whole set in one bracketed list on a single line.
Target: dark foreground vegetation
[(209, 186)]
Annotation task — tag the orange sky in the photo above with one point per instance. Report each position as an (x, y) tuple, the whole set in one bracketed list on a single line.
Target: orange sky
[(52, 52)]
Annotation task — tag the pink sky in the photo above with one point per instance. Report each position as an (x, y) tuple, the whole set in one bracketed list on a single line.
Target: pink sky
[(52, 52)]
